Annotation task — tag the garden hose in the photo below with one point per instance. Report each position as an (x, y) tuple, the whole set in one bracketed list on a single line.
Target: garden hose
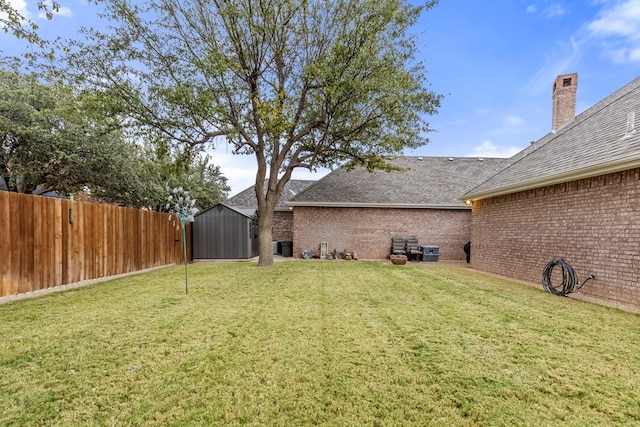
[(569, 278)]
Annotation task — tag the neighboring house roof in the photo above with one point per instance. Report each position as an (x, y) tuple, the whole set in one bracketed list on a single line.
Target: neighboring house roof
[(427, 182), (603, 139), (247, 197), (52, 193)]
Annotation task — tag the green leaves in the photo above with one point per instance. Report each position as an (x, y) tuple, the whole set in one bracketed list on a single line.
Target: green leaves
[(53, 137), (310, 82), (12, 21)]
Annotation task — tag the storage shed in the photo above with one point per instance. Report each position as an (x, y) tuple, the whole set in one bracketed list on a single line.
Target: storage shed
[(282, 229), (224, 232)]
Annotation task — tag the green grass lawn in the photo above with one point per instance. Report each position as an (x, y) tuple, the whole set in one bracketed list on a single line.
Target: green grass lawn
[(329, 343)]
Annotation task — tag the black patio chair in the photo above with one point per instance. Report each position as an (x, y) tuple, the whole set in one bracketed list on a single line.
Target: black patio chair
[(398, 245), (413, 249)]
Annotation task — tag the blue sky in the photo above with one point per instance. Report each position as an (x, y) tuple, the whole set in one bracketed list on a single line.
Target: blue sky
[(495, 63)]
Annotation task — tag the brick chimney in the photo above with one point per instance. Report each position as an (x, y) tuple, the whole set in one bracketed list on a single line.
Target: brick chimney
[(564, 99)]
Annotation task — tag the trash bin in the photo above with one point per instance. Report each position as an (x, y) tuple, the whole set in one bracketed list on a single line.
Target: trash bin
[(287, 248), (430, 253)]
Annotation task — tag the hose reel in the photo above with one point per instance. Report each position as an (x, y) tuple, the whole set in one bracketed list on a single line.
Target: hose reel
[(569, 278)]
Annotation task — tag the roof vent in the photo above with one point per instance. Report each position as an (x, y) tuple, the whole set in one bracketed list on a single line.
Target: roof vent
[(631, 126)]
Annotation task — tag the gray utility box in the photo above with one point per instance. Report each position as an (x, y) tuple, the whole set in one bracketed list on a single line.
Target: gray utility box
[(430, 253)]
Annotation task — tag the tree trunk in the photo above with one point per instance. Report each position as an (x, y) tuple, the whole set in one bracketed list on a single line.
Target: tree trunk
[(265, 243), (20, 185)]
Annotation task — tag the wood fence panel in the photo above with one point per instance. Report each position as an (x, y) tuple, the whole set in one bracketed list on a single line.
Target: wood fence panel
[(90, 238), (120, 233), (95, 237), (25, 248), (135, 242), (6, 283), (39, 240), (103, 258), (46, 242), (44, 252), (67, 243), (111, 239), (166, 246), (58, 243), (76, 240)]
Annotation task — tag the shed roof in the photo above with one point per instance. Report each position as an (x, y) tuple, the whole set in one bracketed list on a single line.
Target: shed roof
[(426, 182), (603, 139), (247, 198), (247, 212)]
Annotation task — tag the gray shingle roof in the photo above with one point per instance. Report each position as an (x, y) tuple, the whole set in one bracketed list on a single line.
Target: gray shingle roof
[(248, 212), (428, 182), (247, 197), (594, 143)]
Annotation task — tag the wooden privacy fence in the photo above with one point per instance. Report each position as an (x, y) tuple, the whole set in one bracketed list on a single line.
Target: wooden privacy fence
[(47, 242)]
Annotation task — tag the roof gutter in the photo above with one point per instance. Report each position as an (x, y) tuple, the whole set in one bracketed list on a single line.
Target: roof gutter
[(378, 205), (574, 175)]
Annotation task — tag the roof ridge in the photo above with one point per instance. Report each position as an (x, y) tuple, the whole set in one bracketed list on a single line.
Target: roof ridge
[(439, 184), (558, 134), (595, 108), (314, 184)]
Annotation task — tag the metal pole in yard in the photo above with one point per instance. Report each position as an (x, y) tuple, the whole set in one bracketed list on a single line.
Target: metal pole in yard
[(184, 247)]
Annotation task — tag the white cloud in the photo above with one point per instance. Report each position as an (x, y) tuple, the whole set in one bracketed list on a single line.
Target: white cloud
[(240, 170), (618, 29), (489, 149), (20, 6), (624, 55), (634, 54), (63, 11), (553, 11), (621, 20), (562, 60), (483, 111), (614, 32), (508, 124), (512, 120)]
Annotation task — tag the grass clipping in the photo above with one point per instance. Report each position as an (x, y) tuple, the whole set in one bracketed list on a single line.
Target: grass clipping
[(316, 343)]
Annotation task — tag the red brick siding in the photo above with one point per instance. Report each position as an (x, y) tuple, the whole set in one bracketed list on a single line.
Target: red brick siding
[(594, 224), (368, 231), (282, 228), (564, 100)]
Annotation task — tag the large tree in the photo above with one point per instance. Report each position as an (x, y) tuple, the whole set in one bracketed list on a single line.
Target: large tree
[(295, 83), (49, 141), (13, 21), (190, 169), (55, 138)]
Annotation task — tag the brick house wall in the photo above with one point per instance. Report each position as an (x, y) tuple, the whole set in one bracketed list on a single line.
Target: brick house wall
[(368, 231), (593, 223), (282, 228)]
